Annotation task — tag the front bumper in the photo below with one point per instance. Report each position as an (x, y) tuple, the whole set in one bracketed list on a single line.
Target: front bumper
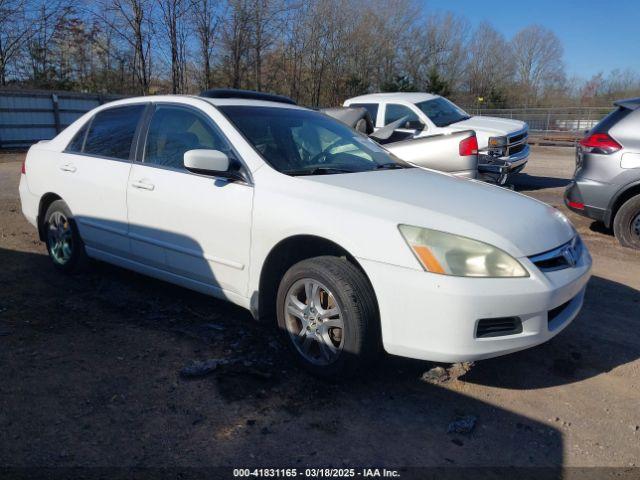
[(435, 317), (499, 168)]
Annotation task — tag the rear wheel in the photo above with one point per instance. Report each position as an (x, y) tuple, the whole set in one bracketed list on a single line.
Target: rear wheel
[(64, 244), (626, 225), (328, 314)]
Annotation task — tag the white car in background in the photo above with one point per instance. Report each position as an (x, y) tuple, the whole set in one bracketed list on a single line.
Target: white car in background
[(295, 216), (502, 143)]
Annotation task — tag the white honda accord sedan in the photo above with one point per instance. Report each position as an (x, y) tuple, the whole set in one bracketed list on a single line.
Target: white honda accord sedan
[(298, 218)]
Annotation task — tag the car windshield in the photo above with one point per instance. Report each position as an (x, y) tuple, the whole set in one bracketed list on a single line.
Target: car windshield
[(304, 142), (442, 112)]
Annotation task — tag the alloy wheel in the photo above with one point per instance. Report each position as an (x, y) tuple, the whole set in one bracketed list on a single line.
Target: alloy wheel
[(314, 321), (60, 238), (635, 226)]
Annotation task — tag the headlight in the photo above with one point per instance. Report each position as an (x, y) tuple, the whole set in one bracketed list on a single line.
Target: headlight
[(497, 142), (449, 254)]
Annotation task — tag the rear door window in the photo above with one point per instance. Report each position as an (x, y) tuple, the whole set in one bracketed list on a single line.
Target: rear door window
[(112, 132)]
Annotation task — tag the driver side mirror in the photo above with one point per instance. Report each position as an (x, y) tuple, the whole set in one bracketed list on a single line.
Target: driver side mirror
[(414, 125), (210, 162)]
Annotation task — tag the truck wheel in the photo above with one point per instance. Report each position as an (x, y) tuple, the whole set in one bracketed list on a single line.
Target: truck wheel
[(327, 311), (64, 244), (626, 224)]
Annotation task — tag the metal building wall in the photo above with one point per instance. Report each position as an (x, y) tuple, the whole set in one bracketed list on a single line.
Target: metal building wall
[(27, 117)]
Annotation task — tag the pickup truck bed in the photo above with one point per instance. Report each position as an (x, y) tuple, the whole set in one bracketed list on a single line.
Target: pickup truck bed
[(438, 152)]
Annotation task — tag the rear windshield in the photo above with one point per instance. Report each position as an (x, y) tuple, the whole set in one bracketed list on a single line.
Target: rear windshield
[(610, 120)]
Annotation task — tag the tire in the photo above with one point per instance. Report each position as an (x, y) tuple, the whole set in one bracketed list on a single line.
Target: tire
[(59, 225), (626, 224), (353, 330)]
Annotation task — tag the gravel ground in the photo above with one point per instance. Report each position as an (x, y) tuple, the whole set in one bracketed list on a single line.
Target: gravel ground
[(90, 374)]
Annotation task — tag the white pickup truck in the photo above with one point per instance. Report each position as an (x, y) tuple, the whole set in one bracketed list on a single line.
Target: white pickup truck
[(502, 142)]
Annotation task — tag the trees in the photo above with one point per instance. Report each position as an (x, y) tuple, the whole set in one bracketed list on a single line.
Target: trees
[(491, 69), (133, 22), (318, 52), (14, 32), (172, 17), (206, 17), (537, 53), (235, 42)]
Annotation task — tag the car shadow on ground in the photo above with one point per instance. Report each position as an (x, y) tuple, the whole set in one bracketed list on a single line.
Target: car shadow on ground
[(91, 376), (526, 182), (599, 227), (604, 336)]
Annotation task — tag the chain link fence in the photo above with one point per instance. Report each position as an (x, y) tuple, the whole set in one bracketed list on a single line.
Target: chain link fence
[(27, 117), (549, 124)]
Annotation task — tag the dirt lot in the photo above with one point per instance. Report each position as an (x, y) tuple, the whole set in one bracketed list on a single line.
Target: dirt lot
[(89, 374)]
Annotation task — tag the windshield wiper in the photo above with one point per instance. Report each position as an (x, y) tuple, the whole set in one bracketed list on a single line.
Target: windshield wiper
[(388, 166), (461, 119), (316, 171)]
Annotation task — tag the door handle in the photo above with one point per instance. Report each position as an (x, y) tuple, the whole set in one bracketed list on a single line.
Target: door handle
[(68, 167), (143, 185)]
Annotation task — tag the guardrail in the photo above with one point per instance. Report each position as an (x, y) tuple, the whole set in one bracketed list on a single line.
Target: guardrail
[(569, 120), (552, 126), (27, 117)]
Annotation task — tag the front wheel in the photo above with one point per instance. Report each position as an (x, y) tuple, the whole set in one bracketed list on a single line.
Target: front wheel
[(328, 314), (626, 225), (64, 244)]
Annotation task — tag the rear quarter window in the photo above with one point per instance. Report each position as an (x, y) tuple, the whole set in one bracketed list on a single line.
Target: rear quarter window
[(76, 145)]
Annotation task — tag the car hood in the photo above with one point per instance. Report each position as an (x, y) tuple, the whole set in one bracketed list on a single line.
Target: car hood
[(493, 126), (508, 220)]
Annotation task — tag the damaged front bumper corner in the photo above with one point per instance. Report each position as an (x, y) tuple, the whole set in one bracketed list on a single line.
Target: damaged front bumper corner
[(498, 169)]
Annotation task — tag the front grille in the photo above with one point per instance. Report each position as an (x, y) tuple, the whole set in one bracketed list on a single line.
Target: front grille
[(555, 263), (554, 313), (565, 256), (498, 327), (517, 148), (516, 138)]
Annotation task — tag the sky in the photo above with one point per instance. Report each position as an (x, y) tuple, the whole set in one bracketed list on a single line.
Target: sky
[(596, 35)]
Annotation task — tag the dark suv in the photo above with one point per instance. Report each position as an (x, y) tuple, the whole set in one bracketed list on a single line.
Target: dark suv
[(606, 184)]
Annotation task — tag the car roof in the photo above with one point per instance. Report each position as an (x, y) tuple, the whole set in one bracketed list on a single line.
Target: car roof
[(213, 101), (411, 97), (242, 102), (630, 103)]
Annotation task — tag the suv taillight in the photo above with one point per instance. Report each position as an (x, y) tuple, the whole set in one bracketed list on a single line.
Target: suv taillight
[(469, 146), (600, 143)]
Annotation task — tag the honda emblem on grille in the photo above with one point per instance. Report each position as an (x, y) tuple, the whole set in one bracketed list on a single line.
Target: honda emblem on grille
[(569, 253)]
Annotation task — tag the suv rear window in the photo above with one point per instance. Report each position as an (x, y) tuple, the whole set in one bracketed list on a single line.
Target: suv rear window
[(111, 132), (610, 120)]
